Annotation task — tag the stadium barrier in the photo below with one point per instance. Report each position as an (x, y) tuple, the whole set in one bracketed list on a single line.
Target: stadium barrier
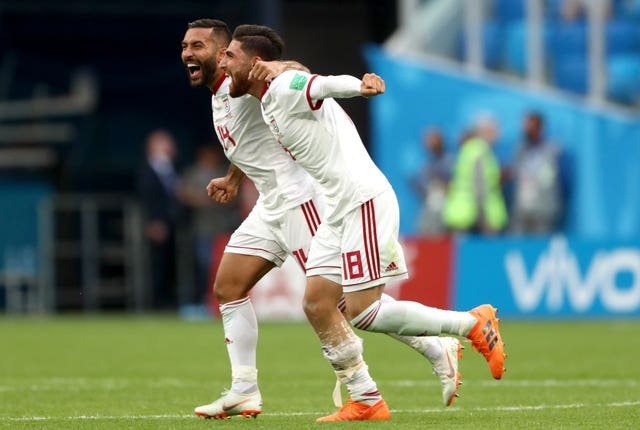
[(527, 278), (556, 277)]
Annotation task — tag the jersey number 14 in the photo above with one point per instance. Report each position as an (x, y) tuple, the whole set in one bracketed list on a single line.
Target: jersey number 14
[(223, 134)]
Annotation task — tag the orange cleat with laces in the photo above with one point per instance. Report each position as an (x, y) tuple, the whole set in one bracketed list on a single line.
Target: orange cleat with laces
[(485, 337)]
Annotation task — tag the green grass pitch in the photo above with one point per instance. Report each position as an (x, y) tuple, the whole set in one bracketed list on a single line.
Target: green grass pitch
[(150, 372)]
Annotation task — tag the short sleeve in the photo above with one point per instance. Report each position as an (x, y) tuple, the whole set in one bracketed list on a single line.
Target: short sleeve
[(291, 88)]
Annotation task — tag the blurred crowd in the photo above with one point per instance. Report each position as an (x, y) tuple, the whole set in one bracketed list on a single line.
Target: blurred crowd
[(182, 224), (465, 189), (468, 190)]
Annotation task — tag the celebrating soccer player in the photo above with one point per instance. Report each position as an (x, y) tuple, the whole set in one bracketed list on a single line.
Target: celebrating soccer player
[(355, 250)]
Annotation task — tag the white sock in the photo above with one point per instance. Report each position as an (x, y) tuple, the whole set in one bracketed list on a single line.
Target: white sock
[(241, 336), (360, 385), (343, 349), (414, 319), (429, 346)]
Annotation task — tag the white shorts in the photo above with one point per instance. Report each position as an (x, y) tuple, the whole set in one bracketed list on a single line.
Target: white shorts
[(363, 250), (274, 241)]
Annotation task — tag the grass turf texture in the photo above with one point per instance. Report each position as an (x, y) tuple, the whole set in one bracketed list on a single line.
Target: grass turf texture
[(150, 372)]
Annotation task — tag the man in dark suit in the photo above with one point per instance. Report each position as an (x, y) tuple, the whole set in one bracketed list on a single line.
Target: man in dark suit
[(157, 188)]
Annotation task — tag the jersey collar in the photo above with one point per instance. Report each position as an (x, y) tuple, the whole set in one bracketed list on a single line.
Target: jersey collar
[(217, 85), (264, 90)]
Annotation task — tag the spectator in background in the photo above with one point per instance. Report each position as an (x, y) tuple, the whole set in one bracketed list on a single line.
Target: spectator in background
[(576, 10), (475, 202), (432, 183), (157, 188), (208, 218), (538, 200)]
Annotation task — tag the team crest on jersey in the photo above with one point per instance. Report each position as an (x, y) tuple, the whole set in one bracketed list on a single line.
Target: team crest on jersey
[(298, 82), (274, 125), (227, 106)]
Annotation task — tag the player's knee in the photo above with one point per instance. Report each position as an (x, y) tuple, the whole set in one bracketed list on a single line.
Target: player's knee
[(362, 315), (354, 309), (315, 307), (226, 291), (310, 308), (350, 313)]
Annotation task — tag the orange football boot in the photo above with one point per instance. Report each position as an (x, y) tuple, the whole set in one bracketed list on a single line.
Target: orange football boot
[(485, 337), (358, 411)]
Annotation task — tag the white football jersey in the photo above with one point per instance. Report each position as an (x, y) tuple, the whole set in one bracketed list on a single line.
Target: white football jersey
[(323, 140), (249, 144)]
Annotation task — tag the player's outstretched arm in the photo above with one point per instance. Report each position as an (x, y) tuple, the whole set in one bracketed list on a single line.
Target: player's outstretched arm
[(223, 190), (345, 86), (269, 70)]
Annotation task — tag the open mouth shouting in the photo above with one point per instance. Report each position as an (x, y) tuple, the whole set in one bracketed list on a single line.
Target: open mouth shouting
[(195, 72)]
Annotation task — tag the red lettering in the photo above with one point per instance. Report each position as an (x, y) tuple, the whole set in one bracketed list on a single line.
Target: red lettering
[(353, 262), (223, 134)]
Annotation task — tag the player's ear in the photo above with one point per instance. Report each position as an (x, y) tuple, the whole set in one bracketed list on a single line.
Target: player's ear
[(254, 60)]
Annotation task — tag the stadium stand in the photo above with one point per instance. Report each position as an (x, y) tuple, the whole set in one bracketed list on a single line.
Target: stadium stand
[(565, 41)]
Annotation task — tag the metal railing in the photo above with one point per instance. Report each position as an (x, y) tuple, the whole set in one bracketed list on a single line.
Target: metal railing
[(81, 238), (430, 27)]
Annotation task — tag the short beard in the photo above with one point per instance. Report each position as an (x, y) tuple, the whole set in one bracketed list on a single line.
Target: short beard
[(240, 88), (209, 70)]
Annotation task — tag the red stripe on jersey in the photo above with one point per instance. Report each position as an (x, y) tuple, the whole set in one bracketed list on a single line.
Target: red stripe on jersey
[(314, 211), (255, 249), (301, 259), (309, 100), (312, 229), (217, 85), (371, 241), (312, 217), (374, 243), (344, 266), (365, 233), (264, 90), (367, 281)]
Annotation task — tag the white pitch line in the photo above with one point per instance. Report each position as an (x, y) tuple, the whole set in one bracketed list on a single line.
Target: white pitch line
[(114, 384), (529, 383), (517, 408), (527, 407)]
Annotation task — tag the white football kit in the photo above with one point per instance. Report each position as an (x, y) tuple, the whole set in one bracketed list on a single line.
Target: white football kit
[(357, 244), (287, 213)]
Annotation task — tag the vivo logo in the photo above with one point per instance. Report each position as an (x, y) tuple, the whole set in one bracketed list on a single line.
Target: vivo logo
[(557, 276)]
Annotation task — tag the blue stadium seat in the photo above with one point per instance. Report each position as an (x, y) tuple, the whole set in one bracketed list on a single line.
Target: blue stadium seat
[(515, 50), (622, 36), (623, 78), (554, 9), (493, 36), (570, 73), (492, 43), (516, 45), (629, 9), (508, 10), (569, 38)]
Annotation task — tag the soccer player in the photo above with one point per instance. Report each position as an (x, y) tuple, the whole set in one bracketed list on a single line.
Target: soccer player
[(355, 250), (282, 223), (278, 225)]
